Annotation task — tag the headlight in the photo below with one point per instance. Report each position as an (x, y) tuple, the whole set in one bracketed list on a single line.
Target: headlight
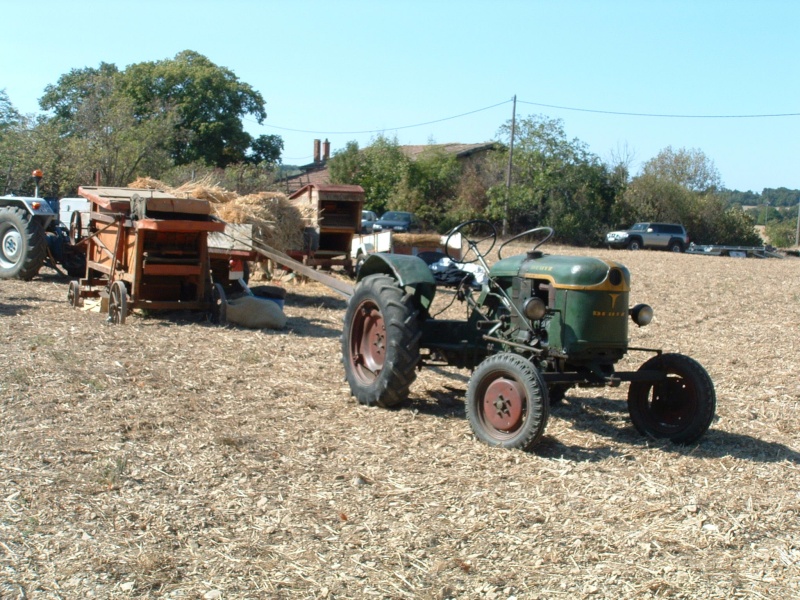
[(641, 314), (534, 308)]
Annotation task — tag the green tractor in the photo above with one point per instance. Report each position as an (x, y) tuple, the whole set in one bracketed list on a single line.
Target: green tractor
[(537, 325)]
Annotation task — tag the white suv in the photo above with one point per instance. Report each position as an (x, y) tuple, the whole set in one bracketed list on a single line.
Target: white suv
[(663, 236)]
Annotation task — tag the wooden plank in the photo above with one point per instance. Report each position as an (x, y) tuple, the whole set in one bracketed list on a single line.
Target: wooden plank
[(279, 257), (167, 269), (178, 225)]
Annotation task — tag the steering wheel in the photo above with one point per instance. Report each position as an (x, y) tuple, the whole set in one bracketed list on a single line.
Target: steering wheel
[(469, 244), (550, 231)]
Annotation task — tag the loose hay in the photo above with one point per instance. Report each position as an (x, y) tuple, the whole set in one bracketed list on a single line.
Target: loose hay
[(276, 222), (172, 458)]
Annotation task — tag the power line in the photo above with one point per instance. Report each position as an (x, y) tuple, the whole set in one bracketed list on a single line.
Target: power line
[(472, 112), (540, 104), (663, 116)]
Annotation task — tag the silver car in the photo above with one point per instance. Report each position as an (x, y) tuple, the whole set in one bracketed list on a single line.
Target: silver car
[(663, 236)]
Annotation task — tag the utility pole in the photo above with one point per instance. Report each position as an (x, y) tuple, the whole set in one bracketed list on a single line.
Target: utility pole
[(797, 233), (510, 161)]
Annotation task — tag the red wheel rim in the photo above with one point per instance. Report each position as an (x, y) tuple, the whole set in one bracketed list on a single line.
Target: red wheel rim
[(504, 404), (368, 342)]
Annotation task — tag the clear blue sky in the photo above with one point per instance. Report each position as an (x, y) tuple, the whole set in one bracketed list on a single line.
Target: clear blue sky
[(350, 69)]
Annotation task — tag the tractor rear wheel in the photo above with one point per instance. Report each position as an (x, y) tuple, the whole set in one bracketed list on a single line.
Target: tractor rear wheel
[(679, 408), (23, 245), (380, 342), (507, 402)]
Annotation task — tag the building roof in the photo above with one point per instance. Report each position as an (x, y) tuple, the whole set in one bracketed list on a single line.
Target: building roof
[(460, 150)]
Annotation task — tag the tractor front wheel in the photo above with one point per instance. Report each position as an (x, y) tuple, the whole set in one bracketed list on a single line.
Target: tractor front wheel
[(380, 342), (680, 407), (507, 402), (23, 245)]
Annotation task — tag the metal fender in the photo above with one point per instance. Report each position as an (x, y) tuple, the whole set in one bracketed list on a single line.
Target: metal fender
[(409, 271)]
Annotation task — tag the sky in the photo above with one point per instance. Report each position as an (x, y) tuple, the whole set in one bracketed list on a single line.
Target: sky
[(687, 74)]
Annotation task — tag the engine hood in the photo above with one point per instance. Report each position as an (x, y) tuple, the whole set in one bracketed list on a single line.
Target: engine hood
[(566, 272)]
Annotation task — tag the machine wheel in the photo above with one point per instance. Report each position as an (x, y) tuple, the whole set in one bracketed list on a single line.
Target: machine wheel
[(117, 303), (74, 294), (507, 403), (635, 244), (676, 246), (679, 408), (380, 342), (219, 305), (75, 227), (23, 244)]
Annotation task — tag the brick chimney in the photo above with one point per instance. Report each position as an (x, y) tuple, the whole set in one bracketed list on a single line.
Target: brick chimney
[(326, 150), (316, 151)]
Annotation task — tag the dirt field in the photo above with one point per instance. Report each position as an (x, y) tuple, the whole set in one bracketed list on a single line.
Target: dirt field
[(170, 458)]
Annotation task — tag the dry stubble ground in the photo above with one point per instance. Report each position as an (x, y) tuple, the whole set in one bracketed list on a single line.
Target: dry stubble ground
[(171, 458)]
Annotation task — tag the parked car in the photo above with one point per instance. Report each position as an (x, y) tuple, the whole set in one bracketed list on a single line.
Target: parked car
[(368, 219), (663, 236), (397, 221)]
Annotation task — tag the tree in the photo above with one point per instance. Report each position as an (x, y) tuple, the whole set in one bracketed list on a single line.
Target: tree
[(203, 103), (8, 114), (67, 98), (690, 169), (379, 169), (210, 102), (266, 149), (103, 130), (555, 181), (429, 185), (681, 187)]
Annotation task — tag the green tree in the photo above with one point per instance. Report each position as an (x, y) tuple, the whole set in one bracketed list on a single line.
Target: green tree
[(266, 149), (429, 186), (379, 169), (67, 98), (102, 130), (681, 187), (9, 116), (204, 104), (691, 169), (210, 102), (555, 181)]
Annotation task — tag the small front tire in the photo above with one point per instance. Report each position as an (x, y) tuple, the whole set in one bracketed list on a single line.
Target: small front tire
[(507, 402)]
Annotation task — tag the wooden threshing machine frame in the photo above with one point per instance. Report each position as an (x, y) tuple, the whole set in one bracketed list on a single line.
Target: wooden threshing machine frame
[(333, 214), (147, 249)]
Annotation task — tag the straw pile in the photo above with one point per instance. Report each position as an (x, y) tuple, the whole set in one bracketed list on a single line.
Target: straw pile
[(276, 222), (416, 239)]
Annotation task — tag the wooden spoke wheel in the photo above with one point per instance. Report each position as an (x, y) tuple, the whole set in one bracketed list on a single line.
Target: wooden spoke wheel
[(117, 303), (74, 294)]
